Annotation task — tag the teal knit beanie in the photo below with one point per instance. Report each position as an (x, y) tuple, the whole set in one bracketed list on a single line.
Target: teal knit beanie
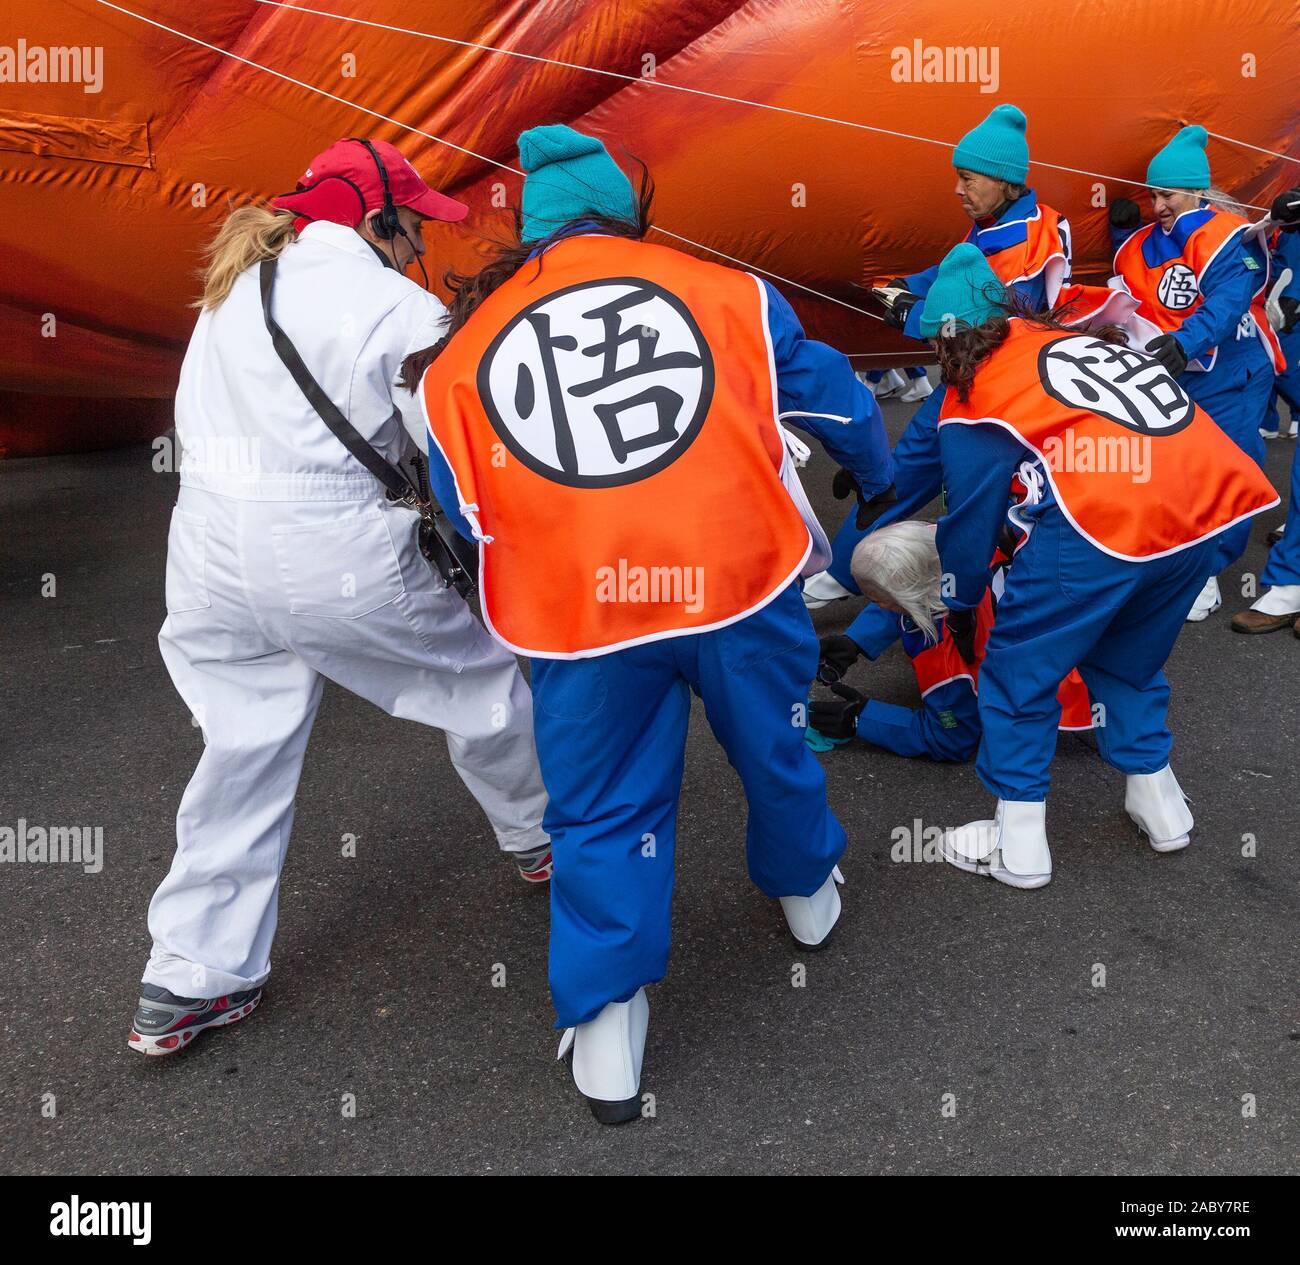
[(1182, 163), (996, 147), (965, 290), (569, 176)]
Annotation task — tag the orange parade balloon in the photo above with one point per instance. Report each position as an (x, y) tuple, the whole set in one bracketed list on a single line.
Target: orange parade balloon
[(808, 139)]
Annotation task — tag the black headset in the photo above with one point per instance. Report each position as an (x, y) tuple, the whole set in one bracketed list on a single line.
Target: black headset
[(387, 226)]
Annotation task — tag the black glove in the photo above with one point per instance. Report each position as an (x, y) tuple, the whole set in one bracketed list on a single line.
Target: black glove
[(897, 300), (838, 654), (837, 718), (961, 626), (868, 510), (1290, 313), (844, 483), (1125, 214), (1286, 210), (1169, 351)]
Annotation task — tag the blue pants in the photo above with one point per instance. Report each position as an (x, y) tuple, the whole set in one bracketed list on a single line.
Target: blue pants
[(611, 739), (1286, 385), (1067, 603), (918, 479), (1236, 395), (1283, 566), (945, 727)]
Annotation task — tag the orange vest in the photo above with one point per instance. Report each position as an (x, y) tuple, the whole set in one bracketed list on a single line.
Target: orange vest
[(1087, 307), (1137, 467), (1023, 260), (609, 415), (1171, 291), (939, 663)]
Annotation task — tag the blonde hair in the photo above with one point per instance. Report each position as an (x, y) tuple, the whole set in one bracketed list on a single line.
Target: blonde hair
[(249, 235), (901, 562)]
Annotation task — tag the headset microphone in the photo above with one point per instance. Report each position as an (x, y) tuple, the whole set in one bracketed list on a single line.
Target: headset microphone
[(388, 225)]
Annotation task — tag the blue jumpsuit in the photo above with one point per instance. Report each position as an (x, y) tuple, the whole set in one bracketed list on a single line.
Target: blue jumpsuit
[(945, 727), (918, 476), (1286, 254), (1283, 566), (1066, 603), (1237, 390), (611, 731)]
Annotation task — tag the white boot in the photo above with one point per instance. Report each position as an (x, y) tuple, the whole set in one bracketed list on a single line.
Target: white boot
[(605, 1058), (812, 917), (821, 589), (1157, 803), (1281, 599), (1011, 848), (917, 389), (890, 384), (1207, 602)]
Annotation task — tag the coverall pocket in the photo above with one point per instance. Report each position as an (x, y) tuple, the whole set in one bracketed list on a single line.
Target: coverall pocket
[(340, 569), (187, 541), (1075, 564), (782, 629), (569, 689)]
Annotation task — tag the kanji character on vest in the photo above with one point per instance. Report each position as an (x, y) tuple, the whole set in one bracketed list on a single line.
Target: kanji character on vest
[(1129, 487), (607, 423), (1200, 274)]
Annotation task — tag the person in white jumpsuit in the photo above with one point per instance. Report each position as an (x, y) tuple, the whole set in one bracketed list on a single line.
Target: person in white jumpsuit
[(287, 565)]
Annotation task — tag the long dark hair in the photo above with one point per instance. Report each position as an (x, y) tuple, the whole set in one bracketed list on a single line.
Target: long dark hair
[(468, 290), (962, 353)]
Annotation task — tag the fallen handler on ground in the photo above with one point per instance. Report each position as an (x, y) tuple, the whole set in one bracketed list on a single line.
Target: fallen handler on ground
[(897, 568)]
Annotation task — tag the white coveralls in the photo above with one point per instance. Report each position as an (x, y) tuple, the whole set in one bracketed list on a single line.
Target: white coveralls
[(286, 565)]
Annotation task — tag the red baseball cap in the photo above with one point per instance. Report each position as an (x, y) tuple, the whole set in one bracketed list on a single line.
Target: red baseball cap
[(343, 185)]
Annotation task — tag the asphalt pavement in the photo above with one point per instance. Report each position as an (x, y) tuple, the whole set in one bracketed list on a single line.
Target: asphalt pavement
[(1138, 1015)]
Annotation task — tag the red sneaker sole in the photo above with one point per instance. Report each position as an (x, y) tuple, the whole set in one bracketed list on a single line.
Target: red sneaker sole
[(174, 1042)]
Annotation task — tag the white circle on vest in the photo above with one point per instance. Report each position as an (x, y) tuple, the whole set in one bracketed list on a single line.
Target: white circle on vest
[(1116, 382), (1177, 288), (598, 384)]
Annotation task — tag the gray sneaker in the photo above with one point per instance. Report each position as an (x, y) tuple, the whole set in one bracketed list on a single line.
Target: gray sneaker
[(535, 865), (165, 1023)]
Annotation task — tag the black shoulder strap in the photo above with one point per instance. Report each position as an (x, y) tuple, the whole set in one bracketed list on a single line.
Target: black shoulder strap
[(389, 475)]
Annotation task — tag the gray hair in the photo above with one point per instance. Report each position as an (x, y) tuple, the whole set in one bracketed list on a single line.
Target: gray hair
[(900, 562), (1224, 202)]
